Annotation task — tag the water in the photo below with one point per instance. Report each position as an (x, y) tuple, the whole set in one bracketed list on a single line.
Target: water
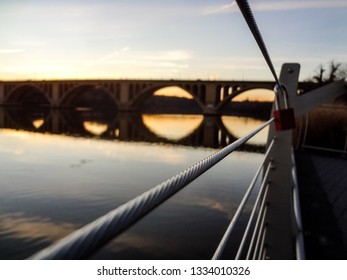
[(62, 169)]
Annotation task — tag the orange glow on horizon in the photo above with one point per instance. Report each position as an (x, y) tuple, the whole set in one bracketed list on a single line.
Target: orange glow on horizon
[(173, 91), (261, 95)]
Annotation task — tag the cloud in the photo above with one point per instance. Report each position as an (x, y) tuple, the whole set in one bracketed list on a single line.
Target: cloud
[(221, 10), (280, 6), (106, 58), (170, 59), (165, 56)]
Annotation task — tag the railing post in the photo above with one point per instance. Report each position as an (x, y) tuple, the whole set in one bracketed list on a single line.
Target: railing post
[(280, 236)]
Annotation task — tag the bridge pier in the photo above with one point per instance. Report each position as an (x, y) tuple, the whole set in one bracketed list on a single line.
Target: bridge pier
[(210, 132), (125, 96), (127, 108), (211, 100), (125, 126), (210, 111), (55, 101), (2, 94), (2, 118)]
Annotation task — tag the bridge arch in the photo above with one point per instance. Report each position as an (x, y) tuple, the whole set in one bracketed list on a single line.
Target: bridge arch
[(195, 91), (237, 91), (88, 95), (27, 95), (258, 94)]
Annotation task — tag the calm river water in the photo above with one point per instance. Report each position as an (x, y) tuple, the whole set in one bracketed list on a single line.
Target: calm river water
[(62, 169)]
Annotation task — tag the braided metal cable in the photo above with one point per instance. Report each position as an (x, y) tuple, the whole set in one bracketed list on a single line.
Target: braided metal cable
[(252, 24), (83, 242)]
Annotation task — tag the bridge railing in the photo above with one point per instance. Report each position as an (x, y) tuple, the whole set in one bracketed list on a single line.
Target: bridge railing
[(273, 225), (274, 228), (299, 240), (256, 218)]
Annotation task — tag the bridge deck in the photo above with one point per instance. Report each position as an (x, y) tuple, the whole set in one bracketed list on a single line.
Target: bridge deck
[(323, 194)]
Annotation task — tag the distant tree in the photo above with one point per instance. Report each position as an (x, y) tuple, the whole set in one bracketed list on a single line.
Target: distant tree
[(333, 68), (341, 73), (318, 78), (331, 72)]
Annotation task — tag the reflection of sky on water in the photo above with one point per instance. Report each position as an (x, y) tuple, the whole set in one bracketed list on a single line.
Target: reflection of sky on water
[(38, 123), (175, 127), (21, 226), (22, 235), (95, 128), (240, 126), (172, 127), (52, 184)]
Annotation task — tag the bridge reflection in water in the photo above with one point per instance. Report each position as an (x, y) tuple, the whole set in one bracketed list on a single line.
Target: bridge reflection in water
[(186, 130)]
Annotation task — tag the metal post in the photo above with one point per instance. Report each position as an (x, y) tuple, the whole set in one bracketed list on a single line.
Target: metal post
[(279, 240)]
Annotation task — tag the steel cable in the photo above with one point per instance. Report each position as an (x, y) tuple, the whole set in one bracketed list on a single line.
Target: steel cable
[(252, 24), (83, 242)]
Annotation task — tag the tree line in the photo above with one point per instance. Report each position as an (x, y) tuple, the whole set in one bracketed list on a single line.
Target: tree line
[(330, 72)]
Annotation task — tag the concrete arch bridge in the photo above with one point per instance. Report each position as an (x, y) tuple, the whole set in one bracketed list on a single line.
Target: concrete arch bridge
[(126, 95)]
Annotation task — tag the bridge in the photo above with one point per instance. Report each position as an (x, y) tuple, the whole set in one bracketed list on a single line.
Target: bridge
[(127, 95)]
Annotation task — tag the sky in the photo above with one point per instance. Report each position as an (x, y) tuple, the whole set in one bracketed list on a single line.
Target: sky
[(152, 39)]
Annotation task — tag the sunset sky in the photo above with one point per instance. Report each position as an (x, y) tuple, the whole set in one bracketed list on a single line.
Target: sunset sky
[(152, 39)]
